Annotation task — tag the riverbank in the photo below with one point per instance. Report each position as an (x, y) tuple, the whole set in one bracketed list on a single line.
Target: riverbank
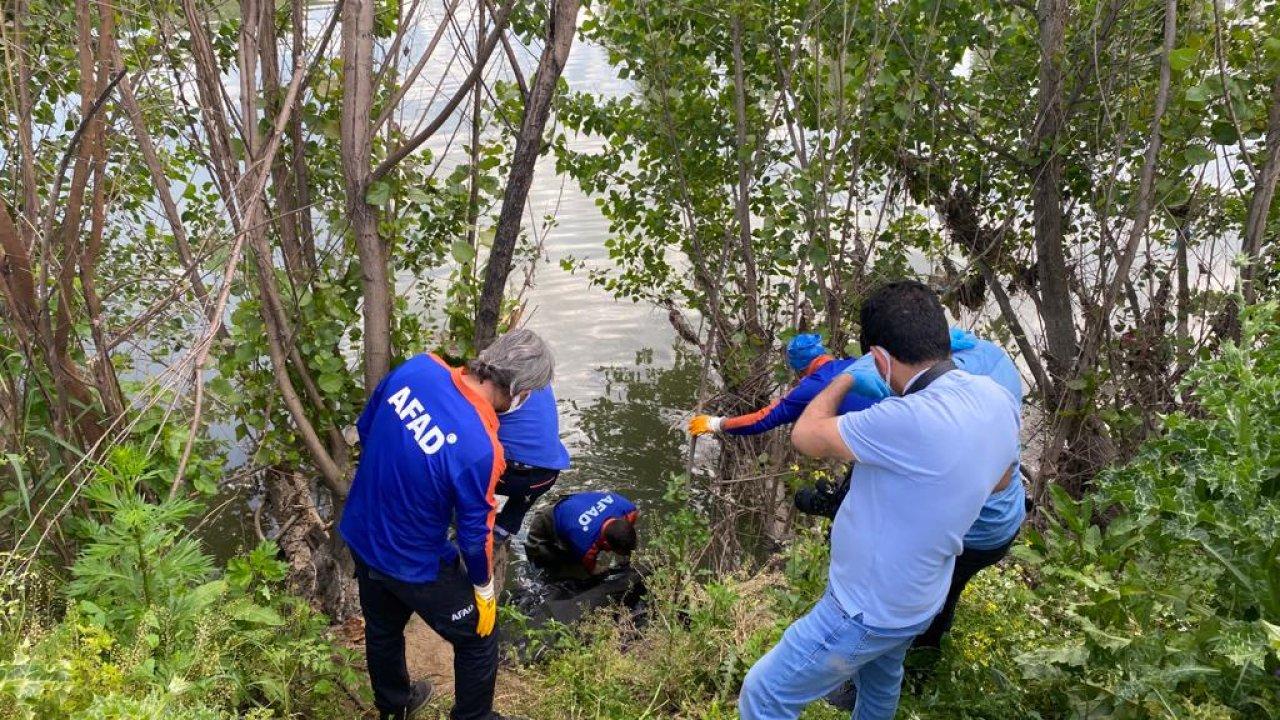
[(1167, 608)]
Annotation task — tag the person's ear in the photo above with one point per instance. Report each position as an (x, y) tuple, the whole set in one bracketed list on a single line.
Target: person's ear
[(881, 357)]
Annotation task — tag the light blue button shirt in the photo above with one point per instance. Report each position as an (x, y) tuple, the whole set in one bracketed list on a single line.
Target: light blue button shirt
[(924, 466), (1005, 511)]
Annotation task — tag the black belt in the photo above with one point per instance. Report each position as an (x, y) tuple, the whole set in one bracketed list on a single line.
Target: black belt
[(928, 376)]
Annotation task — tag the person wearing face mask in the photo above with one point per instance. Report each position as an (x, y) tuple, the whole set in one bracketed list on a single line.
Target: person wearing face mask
[(429, 455), (993, 533), (924, 462), (567, 538), (530, 438)]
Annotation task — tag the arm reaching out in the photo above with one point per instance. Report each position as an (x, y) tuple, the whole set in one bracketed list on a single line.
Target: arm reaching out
[(815, 433)]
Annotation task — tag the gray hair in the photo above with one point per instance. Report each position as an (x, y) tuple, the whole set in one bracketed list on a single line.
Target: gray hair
[(518, 361)]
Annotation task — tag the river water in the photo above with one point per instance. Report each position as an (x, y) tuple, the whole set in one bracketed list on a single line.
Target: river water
[(622, 387)]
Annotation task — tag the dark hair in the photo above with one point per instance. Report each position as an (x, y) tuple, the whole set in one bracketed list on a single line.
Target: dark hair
[(621, 536), (906, 319)]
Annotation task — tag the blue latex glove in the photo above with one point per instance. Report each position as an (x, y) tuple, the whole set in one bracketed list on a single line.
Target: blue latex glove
[(962, 340), (866, 379)]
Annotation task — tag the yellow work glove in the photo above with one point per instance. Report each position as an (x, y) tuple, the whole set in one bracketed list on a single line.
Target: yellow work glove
[(703, 424), (486, 608)]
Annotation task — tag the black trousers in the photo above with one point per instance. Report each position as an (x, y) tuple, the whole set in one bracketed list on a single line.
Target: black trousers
[(448, 605), (523, 485), (968, 563)]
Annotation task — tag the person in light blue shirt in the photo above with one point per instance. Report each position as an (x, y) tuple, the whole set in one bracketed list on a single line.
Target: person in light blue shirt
[(992, 534), (530, 438), (925, 461)]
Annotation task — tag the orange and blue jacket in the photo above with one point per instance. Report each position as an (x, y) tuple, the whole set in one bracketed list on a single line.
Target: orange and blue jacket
[(429, 455), (580, 520), (787, 409)]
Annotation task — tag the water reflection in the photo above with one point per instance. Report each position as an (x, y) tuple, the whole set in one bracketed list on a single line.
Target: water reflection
[(629, 438)]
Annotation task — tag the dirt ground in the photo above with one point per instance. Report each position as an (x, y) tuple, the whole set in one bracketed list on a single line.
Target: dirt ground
[(429, 656)]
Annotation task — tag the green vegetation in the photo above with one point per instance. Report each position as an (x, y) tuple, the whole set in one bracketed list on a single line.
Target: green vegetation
[(222, 222), (146, 628)]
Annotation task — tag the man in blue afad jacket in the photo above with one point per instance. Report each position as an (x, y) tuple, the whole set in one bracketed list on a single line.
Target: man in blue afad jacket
[(430, 454), (567, 538)]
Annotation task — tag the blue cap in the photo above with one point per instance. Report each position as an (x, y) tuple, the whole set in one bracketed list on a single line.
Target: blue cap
[(803, 349)]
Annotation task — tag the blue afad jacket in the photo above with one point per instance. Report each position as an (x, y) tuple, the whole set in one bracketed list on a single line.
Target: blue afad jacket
[(531, 434), (1004, 512), (430, 453), (580, 519), (789, 407)]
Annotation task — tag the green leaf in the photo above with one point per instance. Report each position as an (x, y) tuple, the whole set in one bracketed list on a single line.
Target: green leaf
[(331, 383), (1273, 634), (379, 194), (174, 443), (462, 251), (1198, 94), (1198, 155), (1223, 133), (257, 615), (1182, 58)]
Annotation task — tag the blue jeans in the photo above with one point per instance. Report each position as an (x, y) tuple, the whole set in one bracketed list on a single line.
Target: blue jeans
[(817, 654)]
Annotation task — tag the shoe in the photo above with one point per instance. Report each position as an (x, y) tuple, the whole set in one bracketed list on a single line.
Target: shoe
[(419, 694), (843, 697)]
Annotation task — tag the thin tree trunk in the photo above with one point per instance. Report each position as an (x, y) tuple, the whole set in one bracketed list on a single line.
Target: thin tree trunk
[(1055, 290), (1260, 206), (107, 380), (298, 149), (555, 52), (1183, 332), (181, 242), (281, 176), (26, 221), (473, 192), (356, 140), (1146, 187), (742, 208), (1075, 425)]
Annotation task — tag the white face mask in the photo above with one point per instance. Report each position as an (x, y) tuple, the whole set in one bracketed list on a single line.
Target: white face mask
[(516, 403), (888, 360)]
